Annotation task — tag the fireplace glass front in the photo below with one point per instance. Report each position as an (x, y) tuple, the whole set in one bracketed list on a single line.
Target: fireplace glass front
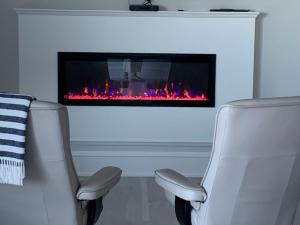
[(135, 79)]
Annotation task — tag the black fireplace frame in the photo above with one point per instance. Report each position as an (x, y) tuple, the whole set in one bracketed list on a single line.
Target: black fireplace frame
[(86, 56)]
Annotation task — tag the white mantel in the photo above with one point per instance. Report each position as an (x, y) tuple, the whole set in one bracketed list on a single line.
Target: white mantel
[(197, 14), (138, 139)]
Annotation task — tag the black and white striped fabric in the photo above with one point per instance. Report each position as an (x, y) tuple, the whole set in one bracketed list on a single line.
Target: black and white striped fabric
[(13, 117)]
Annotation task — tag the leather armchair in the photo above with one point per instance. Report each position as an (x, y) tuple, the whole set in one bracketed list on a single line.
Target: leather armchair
[(253, 176), (52, 193)]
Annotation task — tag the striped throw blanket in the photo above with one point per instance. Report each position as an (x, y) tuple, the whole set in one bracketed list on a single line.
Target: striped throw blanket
[(13, 117)]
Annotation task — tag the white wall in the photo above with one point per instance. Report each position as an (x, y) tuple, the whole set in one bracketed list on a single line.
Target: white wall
[(278, 48), (232, 42), (8, 47)]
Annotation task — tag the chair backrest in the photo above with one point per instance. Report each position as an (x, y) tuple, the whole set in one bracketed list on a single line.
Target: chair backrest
[(253, 177), (48, 196)]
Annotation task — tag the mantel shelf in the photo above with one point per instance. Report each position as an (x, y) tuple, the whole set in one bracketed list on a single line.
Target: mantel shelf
[(204, 14)]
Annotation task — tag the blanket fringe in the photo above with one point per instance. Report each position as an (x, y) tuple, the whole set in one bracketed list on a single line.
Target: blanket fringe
[(13, 172)]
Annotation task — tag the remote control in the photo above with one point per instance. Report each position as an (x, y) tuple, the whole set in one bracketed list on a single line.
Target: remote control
[(229, 10)]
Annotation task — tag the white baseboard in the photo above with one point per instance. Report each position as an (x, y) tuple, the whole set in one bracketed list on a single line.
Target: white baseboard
[(141, 158)]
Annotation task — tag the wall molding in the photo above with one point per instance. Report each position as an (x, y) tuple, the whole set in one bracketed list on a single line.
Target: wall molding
[(141, 158)]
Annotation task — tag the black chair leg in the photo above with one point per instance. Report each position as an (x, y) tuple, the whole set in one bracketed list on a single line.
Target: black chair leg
[(94, 208), (183, 210)]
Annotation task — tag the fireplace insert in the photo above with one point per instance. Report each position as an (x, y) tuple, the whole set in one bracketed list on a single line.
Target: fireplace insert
[(136, 79)]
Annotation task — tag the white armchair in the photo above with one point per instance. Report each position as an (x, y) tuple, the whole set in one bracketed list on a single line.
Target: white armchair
[(253, 177)]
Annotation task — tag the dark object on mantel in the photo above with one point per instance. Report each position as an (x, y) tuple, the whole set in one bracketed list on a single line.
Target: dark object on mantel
[(143, 7), (146, 6), (230, 10)]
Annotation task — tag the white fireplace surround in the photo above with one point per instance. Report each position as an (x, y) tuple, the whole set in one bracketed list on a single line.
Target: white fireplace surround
[(138, 139)]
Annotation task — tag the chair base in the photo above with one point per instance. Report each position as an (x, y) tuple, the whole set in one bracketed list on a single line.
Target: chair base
[(183, 211), (95, 208)]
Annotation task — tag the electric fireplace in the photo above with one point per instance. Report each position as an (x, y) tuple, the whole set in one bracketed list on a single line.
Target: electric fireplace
[(135, 79)]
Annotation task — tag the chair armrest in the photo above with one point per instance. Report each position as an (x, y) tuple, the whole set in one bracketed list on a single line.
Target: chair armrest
[(179, 185), (99, 184)]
